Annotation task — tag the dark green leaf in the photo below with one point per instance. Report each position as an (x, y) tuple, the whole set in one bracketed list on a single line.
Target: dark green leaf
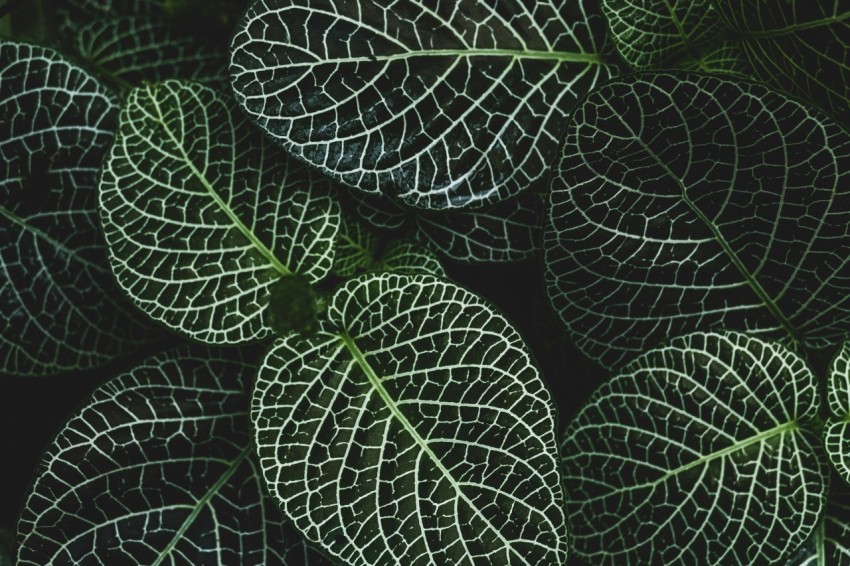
[(202, 215), (685, 202), (60, 308), (801, 46), (697, 453), (437, 104), (414, 429), (837, 431), (157, 468)]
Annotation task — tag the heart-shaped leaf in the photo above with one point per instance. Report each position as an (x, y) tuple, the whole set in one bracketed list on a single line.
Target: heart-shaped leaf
[(800, 47), (697, 453), (202, 214), (685, 202), (437, 104), (60, 307), (672, 33), (157, 468), (413, 429), (837, 431)]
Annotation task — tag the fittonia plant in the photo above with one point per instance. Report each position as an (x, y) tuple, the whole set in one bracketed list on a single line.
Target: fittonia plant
[(289, 198)]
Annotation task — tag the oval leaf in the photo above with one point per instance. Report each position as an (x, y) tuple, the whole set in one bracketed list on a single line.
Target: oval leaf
[(60, 306), (659, 174), (157, 468), (800, 47), (202, 214), (837, 431), (410, 257), (437, 104), (696, 454), (414, 429)]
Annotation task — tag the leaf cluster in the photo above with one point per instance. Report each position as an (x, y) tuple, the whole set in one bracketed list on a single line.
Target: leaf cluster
[(273, 223)]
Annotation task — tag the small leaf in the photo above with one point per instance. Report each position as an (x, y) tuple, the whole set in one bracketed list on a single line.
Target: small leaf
[(837, 430), (438, 105), (411, 258), (414, 429), (59, 304), (355, 249), (671, 211), (697, 453), (202, 215), (157, 468), (802, 47)]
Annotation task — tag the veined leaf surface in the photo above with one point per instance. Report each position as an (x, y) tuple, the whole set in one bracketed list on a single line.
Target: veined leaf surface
[(413, 429), (697, 453), (802, 47), (837, 431), (60, 308), (829, 545), (654, 34), (148, 48), (438, 104), (202, 214), (672, 207), (157, 468)]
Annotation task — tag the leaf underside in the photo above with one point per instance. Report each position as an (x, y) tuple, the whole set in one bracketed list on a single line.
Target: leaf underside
[(436, 104), (413, 429), (696, 453)]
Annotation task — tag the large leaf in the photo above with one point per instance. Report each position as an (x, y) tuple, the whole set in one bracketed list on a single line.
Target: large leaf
[(413, 429), (829, 545), (671, 210), (157, 468), (697, 453), (438, 104), (668, 33), (202, 214), (60, 307), (837, 431), (802, 47)]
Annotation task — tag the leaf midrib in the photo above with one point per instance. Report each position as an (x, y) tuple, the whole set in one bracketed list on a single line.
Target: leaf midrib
[(375, 381), (751, 281), (201, 503), (41, 234), (252, 238), (732, 448), (557, 56)]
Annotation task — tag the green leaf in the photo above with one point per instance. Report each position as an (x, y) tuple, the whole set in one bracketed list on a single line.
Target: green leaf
[(202, 215), (146, 48), (686, 202), (438, 105), (356, 248), (830, 543), (837, 430), (697, 453), (414, 429), (60, 307), (157, 468), (293, 306), (802, 47), (652, 34)]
